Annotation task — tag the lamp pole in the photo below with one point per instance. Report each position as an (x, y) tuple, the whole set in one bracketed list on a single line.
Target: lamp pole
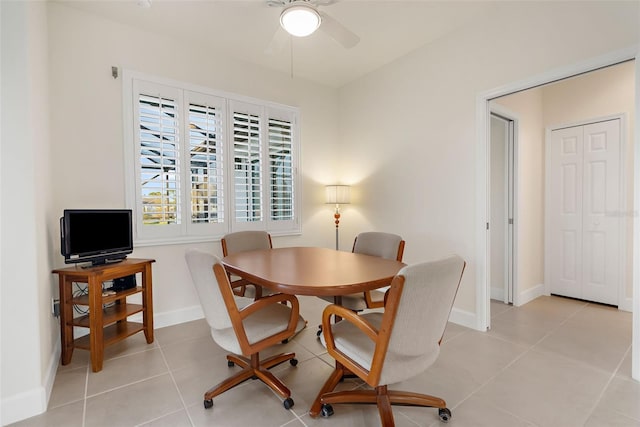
[(336, 215), (337, 195)]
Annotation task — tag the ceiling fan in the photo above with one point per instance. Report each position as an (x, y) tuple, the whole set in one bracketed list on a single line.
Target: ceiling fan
[(301, 18)]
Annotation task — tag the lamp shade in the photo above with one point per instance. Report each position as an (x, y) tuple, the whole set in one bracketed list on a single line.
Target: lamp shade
[(300, 19), (338, 194)]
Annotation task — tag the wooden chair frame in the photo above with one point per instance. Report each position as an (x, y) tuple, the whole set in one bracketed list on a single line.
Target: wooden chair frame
[(371, 303), (253, 366), (240, 286)]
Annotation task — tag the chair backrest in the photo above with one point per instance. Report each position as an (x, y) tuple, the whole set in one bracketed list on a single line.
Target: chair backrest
[(242, 241), (384, 245), (417, 312), (208, 288)]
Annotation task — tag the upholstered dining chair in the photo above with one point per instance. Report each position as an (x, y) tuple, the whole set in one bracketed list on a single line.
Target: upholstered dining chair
[(390, 347), (243, 326), (375, 243), (242, 241)]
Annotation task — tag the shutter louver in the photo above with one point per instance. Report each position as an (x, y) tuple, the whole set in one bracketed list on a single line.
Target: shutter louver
[(206, 163), (247, 167), (159, 160), (281, 170)]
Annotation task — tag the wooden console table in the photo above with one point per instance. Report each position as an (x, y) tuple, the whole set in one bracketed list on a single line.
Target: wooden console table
[(107, 317)]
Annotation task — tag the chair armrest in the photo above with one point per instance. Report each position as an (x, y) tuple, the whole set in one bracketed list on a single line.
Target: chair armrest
[(349, 316), (361, 323), (269, 300), (261, 303)]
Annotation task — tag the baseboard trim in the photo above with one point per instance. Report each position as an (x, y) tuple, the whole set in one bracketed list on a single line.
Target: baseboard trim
[(529, 295), (626, 304), (175, 317), (33, 402), (52, 370), (497, 294), (464, 318), (24, 405)]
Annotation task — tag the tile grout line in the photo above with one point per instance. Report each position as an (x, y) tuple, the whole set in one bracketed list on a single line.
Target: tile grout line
[(86, 390), (175, 384), (525, 352), (609, 381)]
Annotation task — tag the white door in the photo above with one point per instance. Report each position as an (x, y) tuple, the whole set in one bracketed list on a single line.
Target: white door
[(501, 209), (584, 206)]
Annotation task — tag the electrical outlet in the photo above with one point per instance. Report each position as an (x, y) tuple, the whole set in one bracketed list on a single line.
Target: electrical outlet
[(55, 307)]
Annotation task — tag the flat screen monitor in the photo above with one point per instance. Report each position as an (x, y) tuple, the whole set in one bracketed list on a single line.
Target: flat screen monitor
[(96, 235)]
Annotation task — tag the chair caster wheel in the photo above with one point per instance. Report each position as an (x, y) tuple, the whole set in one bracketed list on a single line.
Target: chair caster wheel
[(208, 403), (288, 403), (319, 333), (444, 414), (326, 410), (230, 364), (285, 341), (293, 362)]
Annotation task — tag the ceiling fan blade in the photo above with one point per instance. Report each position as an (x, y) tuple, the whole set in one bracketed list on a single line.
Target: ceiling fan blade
[(323, 2), (278, 41), (338, 32)]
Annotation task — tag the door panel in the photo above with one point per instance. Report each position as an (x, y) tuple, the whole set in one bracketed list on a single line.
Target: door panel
[(565, 207), (584, 208), (498, 209), (601, 213)]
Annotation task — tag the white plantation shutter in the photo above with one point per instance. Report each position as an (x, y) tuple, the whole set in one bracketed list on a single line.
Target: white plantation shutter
[(204, 165), (247, 164), (206, 161), (282, 170), (158, 139)]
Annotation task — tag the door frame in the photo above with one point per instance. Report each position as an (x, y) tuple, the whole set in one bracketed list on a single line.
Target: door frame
[(482, 303), (622, 203), (511, 265)]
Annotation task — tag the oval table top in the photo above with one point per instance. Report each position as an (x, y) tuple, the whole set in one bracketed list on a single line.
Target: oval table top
[(312, 271)]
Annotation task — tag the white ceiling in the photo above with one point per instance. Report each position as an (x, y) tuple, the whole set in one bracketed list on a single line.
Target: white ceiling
[(243, 29)]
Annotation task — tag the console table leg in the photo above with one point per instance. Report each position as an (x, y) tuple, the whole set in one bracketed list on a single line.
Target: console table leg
[(147, 317), (66, 316), (96, 342)]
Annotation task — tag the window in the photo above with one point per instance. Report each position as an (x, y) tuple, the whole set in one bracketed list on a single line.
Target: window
[(200, 165)]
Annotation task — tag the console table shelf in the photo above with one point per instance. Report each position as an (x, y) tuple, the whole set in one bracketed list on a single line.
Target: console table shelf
[(110, 315), (107, 317), (111, 334), (84, 299)]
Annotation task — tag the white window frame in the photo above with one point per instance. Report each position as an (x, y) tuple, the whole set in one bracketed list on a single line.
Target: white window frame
[(184, 94)]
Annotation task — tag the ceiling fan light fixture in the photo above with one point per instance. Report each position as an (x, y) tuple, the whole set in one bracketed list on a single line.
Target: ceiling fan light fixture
[(300, 19)]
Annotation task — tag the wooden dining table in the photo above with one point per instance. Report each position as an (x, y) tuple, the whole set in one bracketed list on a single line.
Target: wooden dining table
[(315, 272)]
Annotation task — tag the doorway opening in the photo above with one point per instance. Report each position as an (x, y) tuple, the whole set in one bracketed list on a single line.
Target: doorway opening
[(535, 287)]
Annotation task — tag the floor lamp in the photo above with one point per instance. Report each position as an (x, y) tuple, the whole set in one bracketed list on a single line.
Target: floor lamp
[(338, 195)]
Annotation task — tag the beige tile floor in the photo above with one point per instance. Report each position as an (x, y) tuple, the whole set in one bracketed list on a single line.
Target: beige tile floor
[(553, 362)]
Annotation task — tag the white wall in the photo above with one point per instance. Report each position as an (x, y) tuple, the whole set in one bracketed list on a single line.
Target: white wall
[(408, 129), (28, 328)]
